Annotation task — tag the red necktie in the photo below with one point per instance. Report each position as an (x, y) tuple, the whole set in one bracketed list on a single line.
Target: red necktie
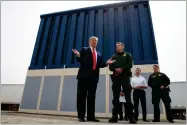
[(94, 59)]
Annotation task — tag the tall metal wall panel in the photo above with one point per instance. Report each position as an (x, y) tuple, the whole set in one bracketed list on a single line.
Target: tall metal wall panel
[(128, 22)]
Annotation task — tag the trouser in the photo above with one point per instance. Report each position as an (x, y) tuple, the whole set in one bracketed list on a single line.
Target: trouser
[(164, 95), (121, 104), (86, 89), (139, 94), (123, 81)]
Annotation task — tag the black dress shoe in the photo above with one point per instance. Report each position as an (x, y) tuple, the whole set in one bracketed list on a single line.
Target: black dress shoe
[(136, 119), (132, 122), (113, 120), (82, 120), (120, 118), (126, 119), (171, 121), (156, 120), (93, 120), (145, 120)]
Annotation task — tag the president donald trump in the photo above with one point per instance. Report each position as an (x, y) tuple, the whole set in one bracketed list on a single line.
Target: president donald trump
[(88, 76)]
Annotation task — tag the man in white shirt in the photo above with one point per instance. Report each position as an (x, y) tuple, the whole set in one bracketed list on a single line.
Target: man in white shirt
[(138, 84)]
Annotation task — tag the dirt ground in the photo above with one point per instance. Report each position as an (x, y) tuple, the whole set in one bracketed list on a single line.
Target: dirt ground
[(22, 118)]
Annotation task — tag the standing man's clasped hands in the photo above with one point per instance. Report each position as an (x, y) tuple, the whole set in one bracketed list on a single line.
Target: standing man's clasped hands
[(118, 71)]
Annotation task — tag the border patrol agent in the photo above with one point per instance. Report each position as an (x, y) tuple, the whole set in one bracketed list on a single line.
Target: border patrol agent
[(159, 83), (121, 69)]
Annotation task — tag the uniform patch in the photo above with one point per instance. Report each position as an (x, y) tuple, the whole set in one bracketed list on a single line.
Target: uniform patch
[(153, 76), (124, 54)]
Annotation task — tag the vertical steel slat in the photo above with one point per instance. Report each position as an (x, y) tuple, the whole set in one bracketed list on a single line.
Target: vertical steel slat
[(44, 42), (85, 30), (146, 33), (61, 40), (91, 24), (71, 40), (134, 35), (79, 35), (53, 40), (38, 40), (111, 40), (99, 29), (121, 29)]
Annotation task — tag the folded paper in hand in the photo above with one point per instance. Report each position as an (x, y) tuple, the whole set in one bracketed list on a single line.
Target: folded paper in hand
[(122, 99)]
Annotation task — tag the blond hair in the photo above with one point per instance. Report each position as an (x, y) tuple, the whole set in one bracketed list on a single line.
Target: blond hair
[(93, 37)]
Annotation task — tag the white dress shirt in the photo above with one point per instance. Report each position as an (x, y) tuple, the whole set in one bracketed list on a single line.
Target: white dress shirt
[(95, 52), (138, 81)]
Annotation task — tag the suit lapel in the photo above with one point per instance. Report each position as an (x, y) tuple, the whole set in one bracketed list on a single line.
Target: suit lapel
[(98, 57), (90, 53)]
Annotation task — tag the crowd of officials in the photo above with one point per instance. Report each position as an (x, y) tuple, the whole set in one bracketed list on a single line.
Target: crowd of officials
[(159, 91), (120, 64)]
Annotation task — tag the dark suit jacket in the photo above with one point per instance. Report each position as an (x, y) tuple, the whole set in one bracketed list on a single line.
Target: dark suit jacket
[(86, 64)]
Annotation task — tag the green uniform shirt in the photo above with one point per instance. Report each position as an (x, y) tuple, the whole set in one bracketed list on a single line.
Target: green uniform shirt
[(156, 80), (124, 60)]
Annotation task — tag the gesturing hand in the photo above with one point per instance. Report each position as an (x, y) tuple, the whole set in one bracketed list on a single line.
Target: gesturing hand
[(110, 61), (76, 52)]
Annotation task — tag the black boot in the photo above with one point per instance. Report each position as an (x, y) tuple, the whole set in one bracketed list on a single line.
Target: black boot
[(156, 120), (171, 121), (136, 118), (121, 117), (114, 119), (132, 121), (126, 118), (145, 119), (82, 120)]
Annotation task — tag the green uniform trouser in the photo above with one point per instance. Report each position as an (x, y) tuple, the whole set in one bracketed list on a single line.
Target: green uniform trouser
[(164, 95), (124, 81)]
